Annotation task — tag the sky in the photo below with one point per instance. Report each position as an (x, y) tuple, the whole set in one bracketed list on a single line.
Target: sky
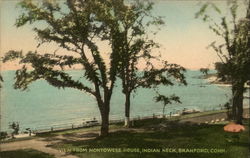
[(183, 39)]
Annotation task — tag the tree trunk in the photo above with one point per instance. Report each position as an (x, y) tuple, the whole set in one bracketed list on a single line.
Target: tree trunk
[(104, 108), (127, 110), (105, 122), (238, 90), (163, 111), (239, 116), (234, 101)]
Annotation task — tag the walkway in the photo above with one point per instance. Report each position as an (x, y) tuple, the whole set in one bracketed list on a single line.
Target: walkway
[(37, 144)]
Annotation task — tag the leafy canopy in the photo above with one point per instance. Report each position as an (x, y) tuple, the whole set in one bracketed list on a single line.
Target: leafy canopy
[(234, 52), (73, 26)]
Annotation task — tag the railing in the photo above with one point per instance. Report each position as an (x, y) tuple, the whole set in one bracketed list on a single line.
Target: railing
[(79, 123), (113, 120)]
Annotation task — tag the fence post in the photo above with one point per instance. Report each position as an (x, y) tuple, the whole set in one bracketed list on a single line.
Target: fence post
[(133, 123), (51, 129)]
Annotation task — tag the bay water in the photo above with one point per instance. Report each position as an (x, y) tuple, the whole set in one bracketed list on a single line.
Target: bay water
[(44, 106)]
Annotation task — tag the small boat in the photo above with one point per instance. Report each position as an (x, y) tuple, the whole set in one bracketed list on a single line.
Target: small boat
[(189, 111), (246, 96), (91, 123), (177, 114)]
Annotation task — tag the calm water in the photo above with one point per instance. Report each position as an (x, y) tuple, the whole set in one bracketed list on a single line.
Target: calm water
[(44, 106)]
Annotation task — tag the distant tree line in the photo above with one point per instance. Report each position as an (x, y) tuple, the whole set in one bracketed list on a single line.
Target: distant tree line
[(204, 71)]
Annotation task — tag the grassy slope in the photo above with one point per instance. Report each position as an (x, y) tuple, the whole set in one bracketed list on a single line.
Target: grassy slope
[(175, 135), (27, 153)]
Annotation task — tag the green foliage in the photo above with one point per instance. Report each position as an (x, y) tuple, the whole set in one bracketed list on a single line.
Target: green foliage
[(167, 100), (234, 52), (123, 25), (163, 76), (222, 71), (12, 55), (1, 80), (72, 31), (204, 70), (74, 26), (135, 47), (15, 127), (3, 135)]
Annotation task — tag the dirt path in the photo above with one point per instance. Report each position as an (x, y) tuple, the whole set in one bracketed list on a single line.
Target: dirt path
[(212, 118), (37, 144), (43, 144)]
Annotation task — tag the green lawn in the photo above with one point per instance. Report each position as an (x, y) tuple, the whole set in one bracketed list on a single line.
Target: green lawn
[(27, 153), (79, 130), (173, 136)]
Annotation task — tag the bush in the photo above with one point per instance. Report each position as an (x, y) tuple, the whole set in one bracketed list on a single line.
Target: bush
[(15, 127), (3, 135)]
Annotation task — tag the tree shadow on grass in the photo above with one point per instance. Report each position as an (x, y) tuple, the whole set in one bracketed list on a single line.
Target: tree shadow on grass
[(167, 135), (149, 138), (84, 135), (27, 153)]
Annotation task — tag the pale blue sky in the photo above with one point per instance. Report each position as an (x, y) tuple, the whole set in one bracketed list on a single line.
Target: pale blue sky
[(184, 39)]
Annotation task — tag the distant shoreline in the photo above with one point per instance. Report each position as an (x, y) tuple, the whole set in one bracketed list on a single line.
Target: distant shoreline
[(66, 68), (213, 79)]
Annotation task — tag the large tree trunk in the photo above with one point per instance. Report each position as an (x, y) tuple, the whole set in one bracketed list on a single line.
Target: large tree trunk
[(105, 122), (238, 90), (240, 97), (163, 111), (234, 101), (104, 108), (127, 110)]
